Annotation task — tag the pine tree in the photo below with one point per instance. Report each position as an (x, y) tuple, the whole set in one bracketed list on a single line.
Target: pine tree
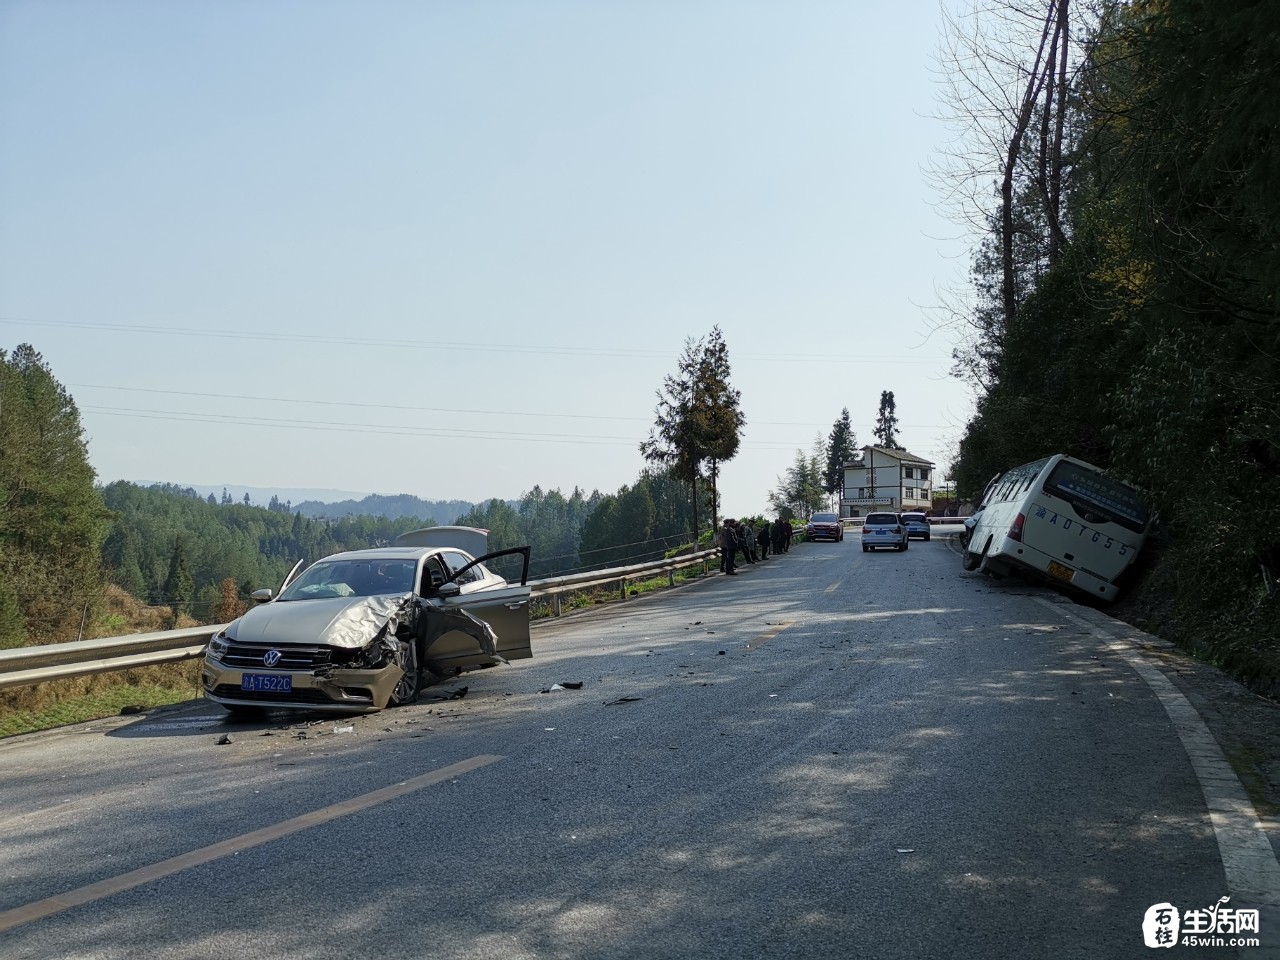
[(720, 421), (52, 519), (673, 440), (886, 431), (179, 586), (840, 450), (697, 419)]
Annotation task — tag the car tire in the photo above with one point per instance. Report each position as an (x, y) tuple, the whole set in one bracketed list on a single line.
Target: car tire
[(926, 538), (865, 548), (409, 686), (969, 562)]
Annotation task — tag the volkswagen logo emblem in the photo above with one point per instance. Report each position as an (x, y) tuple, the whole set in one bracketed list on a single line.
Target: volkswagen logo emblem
[(271, 658)]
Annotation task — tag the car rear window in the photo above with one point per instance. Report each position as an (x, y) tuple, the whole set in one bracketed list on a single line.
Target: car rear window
[(1115, 500), (881, 518), (913, 517)]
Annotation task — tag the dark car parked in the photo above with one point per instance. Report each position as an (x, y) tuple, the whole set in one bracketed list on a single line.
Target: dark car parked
[(824, 526)]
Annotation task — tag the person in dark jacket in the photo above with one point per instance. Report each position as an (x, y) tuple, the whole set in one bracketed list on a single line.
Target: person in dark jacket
[(728, 546), (762, 539), (779, 534), (787, 532), (746, 541)]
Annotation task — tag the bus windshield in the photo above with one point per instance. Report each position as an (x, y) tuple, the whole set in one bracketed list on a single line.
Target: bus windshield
[(1097, 493)]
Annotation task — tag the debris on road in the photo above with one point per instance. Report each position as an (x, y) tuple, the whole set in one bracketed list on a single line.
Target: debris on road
[(623, 700), (131, 709), (344, 729), (452, 694), (223, 740), (906, 849), (562, 685)]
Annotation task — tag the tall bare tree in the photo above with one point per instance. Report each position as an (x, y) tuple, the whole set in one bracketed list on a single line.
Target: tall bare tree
[(1008, 69)]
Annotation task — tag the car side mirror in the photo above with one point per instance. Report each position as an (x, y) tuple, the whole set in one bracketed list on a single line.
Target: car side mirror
[(448, 590), (261, 596)]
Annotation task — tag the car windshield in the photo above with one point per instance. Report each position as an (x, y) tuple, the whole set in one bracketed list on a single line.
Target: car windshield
[(327, 579), (882, 518), (823, 518)]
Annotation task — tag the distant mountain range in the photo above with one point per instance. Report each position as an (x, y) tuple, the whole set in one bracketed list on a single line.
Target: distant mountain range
[(392, 507), (312, 502)]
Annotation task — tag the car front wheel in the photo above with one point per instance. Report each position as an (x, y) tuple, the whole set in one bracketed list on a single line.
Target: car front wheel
[(410, 684)]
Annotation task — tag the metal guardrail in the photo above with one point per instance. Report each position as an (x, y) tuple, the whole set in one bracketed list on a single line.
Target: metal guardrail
[(24, 666)]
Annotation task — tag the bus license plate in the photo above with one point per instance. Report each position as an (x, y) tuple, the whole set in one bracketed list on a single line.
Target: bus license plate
[(266, 683), (1060, 572)]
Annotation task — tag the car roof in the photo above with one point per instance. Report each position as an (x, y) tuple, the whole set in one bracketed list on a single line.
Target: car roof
[(385, 553)]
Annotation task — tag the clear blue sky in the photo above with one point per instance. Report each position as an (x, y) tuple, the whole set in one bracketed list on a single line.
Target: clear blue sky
[(452, 249)]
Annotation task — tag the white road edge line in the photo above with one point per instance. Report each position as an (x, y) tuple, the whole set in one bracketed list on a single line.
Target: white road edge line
[(1252, 871)]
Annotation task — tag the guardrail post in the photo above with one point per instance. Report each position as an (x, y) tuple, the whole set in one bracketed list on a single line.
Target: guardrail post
[(555, 605), (671, 578), (622, 585)]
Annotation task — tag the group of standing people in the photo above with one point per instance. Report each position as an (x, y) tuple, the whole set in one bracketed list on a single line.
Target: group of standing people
[(737, 535)]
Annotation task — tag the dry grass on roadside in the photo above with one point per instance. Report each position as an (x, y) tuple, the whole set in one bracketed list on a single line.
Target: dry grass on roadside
[(77, 699)]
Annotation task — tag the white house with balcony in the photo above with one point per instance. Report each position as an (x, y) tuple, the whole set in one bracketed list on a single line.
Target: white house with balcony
[(890, 480)]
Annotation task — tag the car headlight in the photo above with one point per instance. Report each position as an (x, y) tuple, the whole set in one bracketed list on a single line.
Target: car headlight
[(218, 646)]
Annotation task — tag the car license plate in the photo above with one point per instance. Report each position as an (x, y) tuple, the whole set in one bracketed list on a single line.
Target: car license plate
[(1060, 572), (266, 682)]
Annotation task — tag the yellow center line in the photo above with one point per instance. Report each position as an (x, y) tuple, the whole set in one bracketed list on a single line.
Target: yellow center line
[(769, 634), (136, 878)]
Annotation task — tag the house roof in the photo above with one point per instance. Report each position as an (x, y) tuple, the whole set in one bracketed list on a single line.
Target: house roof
[(902, 455)]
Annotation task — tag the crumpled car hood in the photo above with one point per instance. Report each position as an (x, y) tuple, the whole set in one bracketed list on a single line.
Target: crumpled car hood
[(350, 622)]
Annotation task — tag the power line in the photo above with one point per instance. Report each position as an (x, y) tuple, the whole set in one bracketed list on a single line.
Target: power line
[(397, 341), (394, 430), (418, 409)]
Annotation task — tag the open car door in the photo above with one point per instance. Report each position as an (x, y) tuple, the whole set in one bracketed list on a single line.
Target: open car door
[(504, 608)]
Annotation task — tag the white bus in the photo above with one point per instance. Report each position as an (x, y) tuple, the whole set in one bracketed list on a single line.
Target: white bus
[(1062, 519)]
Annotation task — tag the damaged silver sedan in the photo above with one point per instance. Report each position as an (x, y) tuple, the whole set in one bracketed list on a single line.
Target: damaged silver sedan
[(366, 629)]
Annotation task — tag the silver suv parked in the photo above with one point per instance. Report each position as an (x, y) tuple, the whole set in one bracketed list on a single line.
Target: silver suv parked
[(883, 530)]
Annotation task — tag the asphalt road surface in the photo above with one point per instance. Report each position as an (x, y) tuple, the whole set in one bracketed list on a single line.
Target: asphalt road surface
[(836, 754)]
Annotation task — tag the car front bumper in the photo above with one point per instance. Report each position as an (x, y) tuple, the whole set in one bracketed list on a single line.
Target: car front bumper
[(338, 690)]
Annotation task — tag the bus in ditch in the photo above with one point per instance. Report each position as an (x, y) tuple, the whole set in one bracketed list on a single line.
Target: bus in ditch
[(1063, 520)]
